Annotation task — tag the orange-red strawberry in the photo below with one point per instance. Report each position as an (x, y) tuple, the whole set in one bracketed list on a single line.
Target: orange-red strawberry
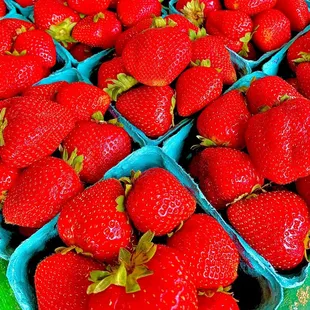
[(89, 7), (303, 76), (2, 8), (278, 141), (250, 7), (158, 202), (81, 52), (100, 30), (102, 146), (148, 108), (303, 189), (219, 300), (95, 221), (274, 224), (213, 258), (272, 30), (8, 177), (196, 88), (61, 281), (224, 121)]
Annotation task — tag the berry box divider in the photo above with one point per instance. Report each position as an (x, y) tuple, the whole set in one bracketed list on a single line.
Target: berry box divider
[(24, 11)]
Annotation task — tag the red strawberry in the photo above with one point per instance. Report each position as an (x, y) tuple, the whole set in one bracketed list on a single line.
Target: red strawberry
[(182, 23), (220, 300), (5, 39), (268, 92), (149, 206), (250, 53), (99, 30), (16, 26), (113, 4), (275, 225), (83, 100), (8, 177), (303, 189), (81, 52), (148, 108), (162, 54), (33, 128), (95, 221), (250, 7), (2, 8), (61, 281), (102, 145), (303, 75), (278, 141), (224, 121), (272, 30), (40, 192), (293, 82), (224, 174), (25, 3), (130, 12), (196, 88), (212, 256), (89, 7), (6, 103)]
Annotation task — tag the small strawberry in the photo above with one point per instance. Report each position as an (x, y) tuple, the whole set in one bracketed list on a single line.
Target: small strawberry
[(41, 190), (272, 30), (89, 7), (303, 76), (250, 7), (293, 82), (100, 30), (16, 26), (149, 206), (274, 224), (224, 121), (303, 189), (61, 281), (2, 8), (83, 100), (131, 12), (148, 108), (95, 221), (218, 300), (196, 88), (278, 141), (212, 256), (8, 177), (5, 39), (81, 52)]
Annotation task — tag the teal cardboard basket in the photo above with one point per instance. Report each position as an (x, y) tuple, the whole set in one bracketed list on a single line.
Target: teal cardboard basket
[(24, 11)]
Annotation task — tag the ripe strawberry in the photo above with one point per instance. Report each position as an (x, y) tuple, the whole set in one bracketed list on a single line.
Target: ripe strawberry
[(182, 23), (24, 72), (89, 7), (220, 300), (25, 3), (303, 75), (97, 214), (148, 108), (278, 141), (224, 175), (293, 82), (113, 4), (83, 100), (149, 206), (8, 177), (81, 52), (61, 281), (303, 188), (249, 54), (274, 224), (5, 39), (41, 191), (250, 7), (2, 8), (32, 128), (196, 88), (224, 121), (162, 54), (130, 12), (212, 256), (102, 145), (268, 92), (16, 26), (272, 30), (99, 30)]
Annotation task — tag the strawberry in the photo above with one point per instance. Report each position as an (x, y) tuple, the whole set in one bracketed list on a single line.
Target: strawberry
[(278, 141), (162, 54), (26, 231), (32, 128), (8, 177), (218, 300), (130, 12), (83, 100), (61, 281), (6, 39), (293, 82), (196, 88), (37, 42), (250, 7), (212, 256), (274, 224), (268, 92), (41, 190), (2, 8), (272, 30), (296, 11), (81, 52), (224, 175), (102, 145), (24, 71), (89, 7), (182, 23), (303, 189), (25, 3), (159, 279), (15, 26), (224, 121), (303, 75), (250, 53), (100, 30), (149, 206), (97, 214), (148, 108), (113, 4)]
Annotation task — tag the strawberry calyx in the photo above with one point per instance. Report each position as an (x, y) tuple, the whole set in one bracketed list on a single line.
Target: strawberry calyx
[(74, 160), (22, 29), (2, 198), (172, 108), (160, 22), (210, 293), (64, 250), (176, 230), (204, 63), (305, 57), (285, 97), (98, 117), (3, 124), (62, 32), (208, 142), (98, 16), (120, 203), (307, 246), (245, 46), (195, 35), (129, 181), (16, 53), (194, 12)]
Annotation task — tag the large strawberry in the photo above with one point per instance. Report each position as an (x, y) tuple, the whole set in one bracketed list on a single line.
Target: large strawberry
[(274, 224), (224, 121), (149, 206), (32, 128), (89, 7), (61, 281), (218, 300), (6, 40), (182, 23), (224, 174), (8, 177), (41, 190), (303, 188), (16, 26), (212, 256), (303, 75), (250, 7), (278, 141)]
